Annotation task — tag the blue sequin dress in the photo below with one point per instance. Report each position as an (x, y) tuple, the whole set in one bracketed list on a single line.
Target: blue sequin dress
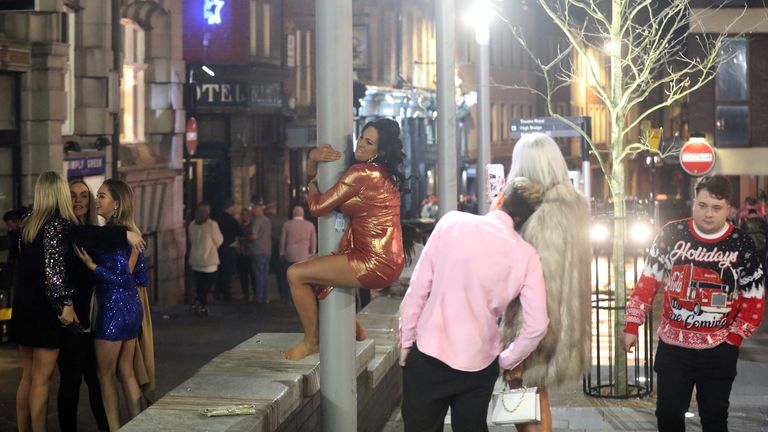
[(119, 306)]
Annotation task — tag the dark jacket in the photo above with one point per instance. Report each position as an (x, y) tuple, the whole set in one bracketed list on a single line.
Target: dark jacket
[(230, 229)]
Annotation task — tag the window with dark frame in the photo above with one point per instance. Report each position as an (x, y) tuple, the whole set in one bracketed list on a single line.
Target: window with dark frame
[(732, 113)]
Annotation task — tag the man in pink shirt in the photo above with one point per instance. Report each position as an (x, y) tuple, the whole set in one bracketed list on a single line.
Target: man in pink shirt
[(298, 241), (449, 334)]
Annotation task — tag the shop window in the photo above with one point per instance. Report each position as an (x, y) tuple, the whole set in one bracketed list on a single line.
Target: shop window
[(264, 30), (132, 89), (304, 87), (732, 125)]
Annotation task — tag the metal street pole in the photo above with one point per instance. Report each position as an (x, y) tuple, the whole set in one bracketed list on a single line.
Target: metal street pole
[(445, 22), (482, 36), (338, 389), (117, 65)]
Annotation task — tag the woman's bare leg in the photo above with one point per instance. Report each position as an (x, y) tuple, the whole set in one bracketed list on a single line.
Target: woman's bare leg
[(545, 425), (43, 364), (331, 270), (107, 353), (23, 418), (131, 389)]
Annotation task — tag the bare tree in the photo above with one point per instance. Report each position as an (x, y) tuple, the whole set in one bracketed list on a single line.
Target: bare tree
[(646, 44)]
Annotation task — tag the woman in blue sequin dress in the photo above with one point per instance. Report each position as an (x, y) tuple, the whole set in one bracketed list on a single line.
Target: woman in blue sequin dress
[(118, 273)]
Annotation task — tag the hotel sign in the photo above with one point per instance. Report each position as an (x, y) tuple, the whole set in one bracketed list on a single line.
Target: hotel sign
[(240, 94)]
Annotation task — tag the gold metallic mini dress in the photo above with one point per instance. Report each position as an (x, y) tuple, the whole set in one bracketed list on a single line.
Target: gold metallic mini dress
[(373, 242)]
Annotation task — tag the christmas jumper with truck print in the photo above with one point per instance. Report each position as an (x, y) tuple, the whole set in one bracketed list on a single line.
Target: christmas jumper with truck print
[(713, 288)]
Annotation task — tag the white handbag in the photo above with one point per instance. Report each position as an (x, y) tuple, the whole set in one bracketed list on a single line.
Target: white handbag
[(516, 406)]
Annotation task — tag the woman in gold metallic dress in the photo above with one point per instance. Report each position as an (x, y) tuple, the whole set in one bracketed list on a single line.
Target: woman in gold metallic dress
[(370, 254)]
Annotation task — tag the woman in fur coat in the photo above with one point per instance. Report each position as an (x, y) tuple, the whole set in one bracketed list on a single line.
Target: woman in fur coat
[(559, 230)]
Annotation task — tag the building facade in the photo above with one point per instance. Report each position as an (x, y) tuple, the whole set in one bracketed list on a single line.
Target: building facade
[(236, 76), (731, 111), (98, 88)]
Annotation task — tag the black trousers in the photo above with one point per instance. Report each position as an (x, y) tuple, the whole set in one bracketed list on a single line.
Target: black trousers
[(712, 371), (203, 284), (431, 386), (227, 266), (77, 360), (244, 270)]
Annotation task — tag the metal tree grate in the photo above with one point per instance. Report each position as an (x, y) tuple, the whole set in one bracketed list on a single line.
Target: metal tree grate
[(602, 379)]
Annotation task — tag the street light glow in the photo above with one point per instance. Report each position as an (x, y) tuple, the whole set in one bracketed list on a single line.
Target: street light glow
[(599, 232), (480, 17), (612, 47), (640, 232)]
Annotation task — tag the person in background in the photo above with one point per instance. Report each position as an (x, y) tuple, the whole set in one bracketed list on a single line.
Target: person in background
[(243, 258), (298, 242), (276, 221), (472, 267), (205, 239), (12, 219), (230, 231), (755, 226), (694, 260), (559, 231), (259, 245), (412, 247)]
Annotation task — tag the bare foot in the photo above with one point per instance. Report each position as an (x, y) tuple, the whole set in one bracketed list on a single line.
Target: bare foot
[(300, 350), (360, 333)]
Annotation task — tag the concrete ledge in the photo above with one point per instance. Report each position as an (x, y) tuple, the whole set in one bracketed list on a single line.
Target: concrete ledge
[(254, 372)]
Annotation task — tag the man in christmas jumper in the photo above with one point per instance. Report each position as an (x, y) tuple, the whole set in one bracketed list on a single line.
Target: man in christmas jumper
[(713, 300)]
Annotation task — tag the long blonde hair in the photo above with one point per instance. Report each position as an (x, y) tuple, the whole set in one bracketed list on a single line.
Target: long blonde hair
[(90, 217), (123, 214), (51, 195), (537, 157)]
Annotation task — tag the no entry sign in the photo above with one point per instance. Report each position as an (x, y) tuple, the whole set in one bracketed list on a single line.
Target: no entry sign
[(697, 157)]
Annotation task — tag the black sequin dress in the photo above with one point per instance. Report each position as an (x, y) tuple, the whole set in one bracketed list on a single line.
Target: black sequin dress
[(42, 283)]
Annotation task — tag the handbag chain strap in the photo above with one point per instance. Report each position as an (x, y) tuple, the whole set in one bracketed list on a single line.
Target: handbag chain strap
[(517, 405)]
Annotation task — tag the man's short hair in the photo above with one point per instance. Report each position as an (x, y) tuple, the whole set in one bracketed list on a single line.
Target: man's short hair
[(228, 204), (717, 185), (522, 196), (11, 215)]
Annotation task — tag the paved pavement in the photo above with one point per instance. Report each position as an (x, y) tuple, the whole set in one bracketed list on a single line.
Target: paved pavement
[(185, 342), (573, 411)]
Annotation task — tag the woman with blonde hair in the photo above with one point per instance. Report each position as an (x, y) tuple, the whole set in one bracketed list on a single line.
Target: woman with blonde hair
[(559, 231), (120, 310), (43, 301)]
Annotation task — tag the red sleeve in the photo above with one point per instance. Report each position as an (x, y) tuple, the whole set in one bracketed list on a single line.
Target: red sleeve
[(639, 303), (752, 294)]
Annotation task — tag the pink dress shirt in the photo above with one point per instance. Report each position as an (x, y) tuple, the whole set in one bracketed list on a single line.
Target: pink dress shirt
[(298, 240), (470, 269)]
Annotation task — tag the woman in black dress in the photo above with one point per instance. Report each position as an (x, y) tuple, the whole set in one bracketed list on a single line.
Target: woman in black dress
[(43, 301), (77, 358)]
